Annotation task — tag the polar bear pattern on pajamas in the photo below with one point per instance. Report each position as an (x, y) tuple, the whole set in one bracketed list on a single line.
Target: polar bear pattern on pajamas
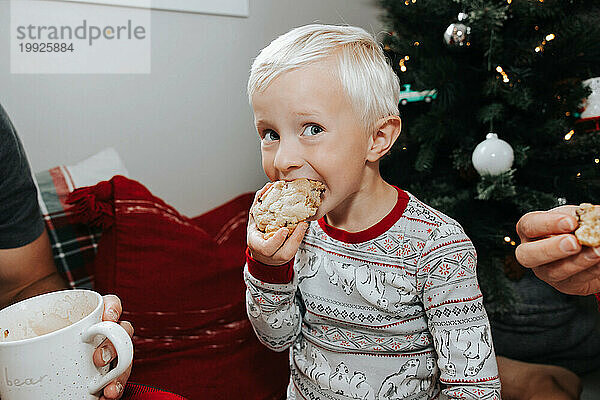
[(398, 315)]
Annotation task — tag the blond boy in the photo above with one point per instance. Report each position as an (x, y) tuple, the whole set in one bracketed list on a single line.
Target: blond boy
[(377, 296)]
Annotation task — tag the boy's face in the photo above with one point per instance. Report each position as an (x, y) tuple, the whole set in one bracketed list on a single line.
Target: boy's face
[(309, 129)]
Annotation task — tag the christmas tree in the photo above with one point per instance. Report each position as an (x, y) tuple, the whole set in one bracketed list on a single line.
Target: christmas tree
[(512, 67)]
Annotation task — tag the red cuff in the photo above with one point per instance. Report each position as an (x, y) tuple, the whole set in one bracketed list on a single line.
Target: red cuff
[(270, 273)]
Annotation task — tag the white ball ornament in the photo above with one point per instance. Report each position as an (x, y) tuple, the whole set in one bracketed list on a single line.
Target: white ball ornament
[(592, 103), (493, 156)]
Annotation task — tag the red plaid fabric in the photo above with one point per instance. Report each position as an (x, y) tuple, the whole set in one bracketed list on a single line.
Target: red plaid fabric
[(136, 391), (74, 245)]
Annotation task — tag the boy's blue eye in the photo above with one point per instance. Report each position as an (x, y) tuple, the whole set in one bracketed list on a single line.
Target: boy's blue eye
[(312, 130), (270, 135)]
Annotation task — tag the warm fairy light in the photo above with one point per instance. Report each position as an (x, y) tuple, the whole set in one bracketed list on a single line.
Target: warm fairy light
[(509, 1), (504, 76), (568, 113), (513, 243), (404, 148), (597, 160), (549, 37), (506, 239), (579, 174), (401, 63), (569, 134), (416, 43)]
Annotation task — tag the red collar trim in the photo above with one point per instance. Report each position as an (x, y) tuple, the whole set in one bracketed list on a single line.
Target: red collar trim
[(374, 231)]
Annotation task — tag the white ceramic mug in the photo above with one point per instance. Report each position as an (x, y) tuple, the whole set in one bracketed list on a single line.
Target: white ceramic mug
[(47, 344)]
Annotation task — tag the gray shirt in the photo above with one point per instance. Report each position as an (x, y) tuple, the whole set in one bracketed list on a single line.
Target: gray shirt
[(20, 218)]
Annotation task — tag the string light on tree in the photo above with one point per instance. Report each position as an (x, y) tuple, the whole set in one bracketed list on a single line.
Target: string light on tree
[(401, 63), (548, 38), (504, 75), (493, 156), (569, 135)]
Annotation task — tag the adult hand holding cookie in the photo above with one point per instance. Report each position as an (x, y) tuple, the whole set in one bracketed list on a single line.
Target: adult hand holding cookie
[(277, 220), (549, 247)]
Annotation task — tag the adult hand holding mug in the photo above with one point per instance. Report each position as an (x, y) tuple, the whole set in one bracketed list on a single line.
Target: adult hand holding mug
[(47, 347), (105, 353)]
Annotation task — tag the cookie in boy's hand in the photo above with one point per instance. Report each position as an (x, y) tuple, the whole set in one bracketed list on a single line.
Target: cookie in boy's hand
[(588, 232), (285, 204)]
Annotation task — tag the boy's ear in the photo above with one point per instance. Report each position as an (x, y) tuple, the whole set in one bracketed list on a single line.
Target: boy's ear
[(383, 137)]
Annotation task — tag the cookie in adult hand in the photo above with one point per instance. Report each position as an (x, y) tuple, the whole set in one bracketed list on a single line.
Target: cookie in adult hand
[(285, 204), (588, 232)]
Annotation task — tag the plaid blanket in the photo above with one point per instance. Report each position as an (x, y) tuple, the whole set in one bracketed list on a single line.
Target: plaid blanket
[(74, 245)]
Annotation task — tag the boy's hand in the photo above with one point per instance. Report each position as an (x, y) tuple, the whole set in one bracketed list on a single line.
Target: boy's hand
[(276, 250)]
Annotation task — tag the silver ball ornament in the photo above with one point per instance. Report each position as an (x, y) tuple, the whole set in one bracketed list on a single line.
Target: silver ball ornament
[(493, 156), (458, 34)]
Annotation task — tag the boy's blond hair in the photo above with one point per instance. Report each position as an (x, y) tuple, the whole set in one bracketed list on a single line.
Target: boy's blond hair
[(366, 77)]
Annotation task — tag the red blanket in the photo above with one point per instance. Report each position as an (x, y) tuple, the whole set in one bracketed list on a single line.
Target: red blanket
[(180, 281), (135, 391)]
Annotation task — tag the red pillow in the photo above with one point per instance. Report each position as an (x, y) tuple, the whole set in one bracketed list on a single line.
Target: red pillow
[(182, 288)]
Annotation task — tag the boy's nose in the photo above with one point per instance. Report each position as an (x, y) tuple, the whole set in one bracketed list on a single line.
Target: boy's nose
[(287, 157)]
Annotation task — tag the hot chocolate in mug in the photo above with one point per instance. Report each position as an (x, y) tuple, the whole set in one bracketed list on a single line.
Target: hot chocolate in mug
[(47, 344)]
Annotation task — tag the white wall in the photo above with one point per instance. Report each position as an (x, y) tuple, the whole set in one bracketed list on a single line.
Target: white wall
[(185, 130)]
